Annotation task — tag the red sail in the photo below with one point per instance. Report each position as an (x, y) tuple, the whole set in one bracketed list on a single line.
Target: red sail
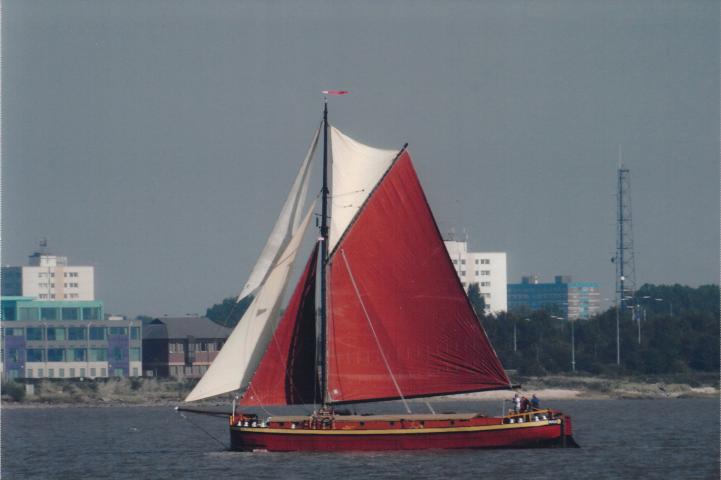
[(286, 374), (400, 323)]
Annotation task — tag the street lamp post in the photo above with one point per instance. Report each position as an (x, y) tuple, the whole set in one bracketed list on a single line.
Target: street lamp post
[(573, 347), (573, 342)]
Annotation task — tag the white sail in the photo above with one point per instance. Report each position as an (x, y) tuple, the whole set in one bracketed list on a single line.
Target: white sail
[(357, 169), (285, 226), (240, 356)]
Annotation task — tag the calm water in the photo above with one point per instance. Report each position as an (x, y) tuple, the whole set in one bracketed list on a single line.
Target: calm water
[(620, 439)]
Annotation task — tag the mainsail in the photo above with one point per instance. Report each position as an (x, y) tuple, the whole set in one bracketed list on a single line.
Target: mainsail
[(241, 354), (400, 324), (286, 225), (287, 374)]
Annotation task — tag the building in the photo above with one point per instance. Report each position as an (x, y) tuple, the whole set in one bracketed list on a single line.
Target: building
[(574, 300), (49, 277), (52, 326), (181, 347), (67, 339), (487, 269)]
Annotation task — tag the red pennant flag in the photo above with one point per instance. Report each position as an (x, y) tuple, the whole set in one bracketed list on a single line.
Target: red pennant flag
[(335, 92)]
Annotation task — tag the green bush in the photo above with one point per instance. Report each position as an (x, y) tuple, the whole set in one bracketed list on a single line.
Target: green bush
[(14, 390)]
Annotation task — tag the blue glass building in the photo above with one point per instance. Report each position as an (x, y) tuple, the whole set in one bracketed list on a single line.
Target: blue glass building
[(572, 300), (66, 339)]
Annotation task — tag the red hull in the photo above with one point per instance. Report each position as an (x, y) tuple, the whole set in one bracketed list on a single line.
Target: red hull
[(495, 435)]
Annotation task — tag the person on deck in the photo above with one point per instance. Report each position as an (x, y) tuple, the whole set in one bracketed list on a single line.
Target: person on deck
[(535, 402), (516, 403), (524, 404)]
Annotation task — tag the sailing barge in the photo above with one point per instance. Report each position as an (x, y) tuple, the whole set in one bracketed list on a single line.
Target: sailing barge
[(395, 323)]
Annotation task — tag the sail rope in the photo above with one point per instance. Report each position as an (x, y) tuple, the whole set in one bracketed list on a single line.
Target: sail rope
[(368, 318), (183, 416)]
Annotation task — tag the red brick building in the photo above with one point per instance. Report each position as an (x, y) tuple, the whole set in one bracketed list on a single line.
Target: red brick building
[(181, 347)]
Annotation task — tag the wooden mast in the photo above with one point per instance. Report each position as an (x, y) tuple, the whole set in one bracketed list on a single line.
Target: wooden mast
[(324, 259)]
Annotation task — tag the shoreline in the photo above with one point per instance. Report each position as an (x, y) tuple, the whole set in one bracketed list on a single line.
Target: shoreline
[(546, 395), (155, 392)]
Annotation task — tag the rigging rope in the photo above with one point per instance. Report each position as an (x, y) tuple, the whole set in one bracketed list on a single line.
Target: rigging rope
[(225, 445), (365, 312)]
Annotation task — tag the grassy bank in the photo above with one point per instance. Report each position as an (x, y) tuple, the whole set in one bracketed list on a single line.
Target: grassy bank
[(584, 386), (155, 391), (97, 392)]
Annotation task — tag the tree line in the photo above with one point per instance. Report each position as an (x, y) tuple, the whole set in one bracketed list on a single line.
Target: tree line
[(679, 333)]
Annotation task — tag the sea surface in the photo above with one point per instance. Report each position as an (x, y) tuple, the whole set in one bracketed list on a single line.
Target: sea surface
[(669, 439)]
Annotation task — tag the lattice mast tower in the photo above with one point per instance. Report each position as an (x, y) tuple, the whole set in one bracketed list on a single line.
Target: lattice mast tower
[(624, 259)]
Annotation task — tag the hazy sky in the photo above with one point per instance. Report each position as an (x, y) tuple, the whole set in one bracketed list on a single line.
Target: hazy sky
[(157, 140)]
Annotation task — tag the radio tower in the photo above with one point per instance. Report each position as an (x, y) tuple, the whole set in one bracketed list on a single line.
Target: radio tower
[(624, 259)]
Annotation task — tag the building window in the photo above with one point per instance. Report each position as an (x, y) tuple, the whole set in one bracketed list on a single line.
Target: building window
[(56, 355), (35, 355), (485, 284), (71, 313), (117, 372), (134, 354), (98, 355), (41, 372), (56, 333), (77, 355), (118, 331), (29, 373), (485, 261), (97, 333), (48, 314), (28, 314), (463, 273), (61, 372), (91, 313), (82, 372), (135, 371), (51, 372), (72, 372), (15, 355), (8, 313), (93, 372), (117, 354), (76, 333), (485, 272), (455, 262), (463, 261), (135, 333), (103, 372), (13, 332)]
